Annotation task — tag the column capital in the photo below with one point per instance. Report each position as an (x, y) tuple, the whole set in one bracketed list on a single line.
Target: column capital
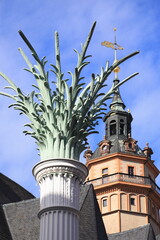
[(59, 166)]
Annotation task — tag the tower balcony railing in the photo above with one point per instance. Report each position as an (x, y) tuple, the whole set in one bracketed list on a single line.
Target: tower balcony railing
[(124, 177)]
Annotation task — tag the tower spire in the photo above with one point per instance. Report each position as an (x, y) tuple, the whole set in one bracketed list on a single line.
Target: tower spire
[(116, 47), (118, 121), (117, 102)]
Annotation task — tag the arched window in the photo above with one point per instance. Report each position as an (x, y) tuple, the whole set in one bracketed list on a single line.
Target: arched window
[(121, 131), (112, 127), (104, 202), (104, 205), (133, 203)]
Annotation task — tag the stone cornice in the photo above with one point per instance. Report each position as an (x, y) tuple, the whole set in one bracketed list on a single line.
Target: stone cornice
[(125, 211), (123, 187)]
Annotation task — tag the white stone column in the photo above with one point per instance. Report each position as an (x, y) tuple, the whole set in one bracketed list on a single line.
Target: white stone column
[(59, 181)]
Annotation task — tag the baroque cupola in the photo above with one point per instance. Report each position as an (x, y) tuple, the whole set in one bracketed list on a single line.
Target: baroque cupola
[(123, 175), (117, 120)]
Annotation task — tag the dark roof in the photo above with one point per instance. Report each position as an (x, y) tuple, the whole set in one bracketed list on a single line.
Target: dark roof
[(158, 237), (11, 191), (4, 230), (117, 146), (117, 102), (141, 233), (22, 219), (91, 223), (24, 224)]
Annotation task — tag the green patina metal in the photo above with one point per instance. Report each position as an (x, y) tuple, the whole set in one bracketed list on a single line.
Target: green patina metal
[(62, 118)]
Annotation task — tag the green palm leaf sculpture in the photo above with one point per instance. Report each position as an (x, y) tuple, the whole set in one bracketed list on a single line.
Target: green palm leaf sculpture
[(63, 116)]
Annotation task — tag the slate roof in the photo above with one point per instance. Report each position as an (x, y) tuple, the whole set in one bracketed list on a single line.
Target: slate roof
[(158, 237), (22, 219), (91, 223), (4, 230), (141, 233), (9, 192), (117, 146)]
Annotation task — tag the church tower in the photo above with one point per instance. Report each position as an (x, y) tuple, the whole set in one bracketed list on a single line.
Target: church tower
[(122, 174)]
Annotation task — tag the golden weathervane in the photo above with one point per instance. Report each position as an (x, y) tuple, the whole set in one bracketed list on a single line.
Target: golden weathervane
[(114, 46)]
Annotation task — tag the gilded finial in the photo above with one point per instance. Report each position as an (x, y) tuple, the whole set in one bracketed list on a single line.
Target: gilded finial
[(116, 47)]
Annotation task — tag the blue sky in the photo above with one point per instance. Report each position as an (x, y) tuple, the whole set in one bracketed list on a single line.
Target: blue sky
[(137, 25)]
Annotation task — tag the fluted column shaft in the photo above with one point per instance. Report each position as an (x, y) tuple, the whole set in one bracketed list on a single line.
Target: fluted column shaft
[(59, 181)]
